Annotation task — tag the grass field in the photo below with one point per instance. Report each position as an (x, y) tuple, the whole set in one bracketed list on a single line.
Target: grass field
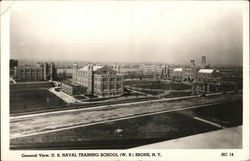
[(158, 85), (164, 86), (229, 115), (133, 82), (170, 95), (32, 100), (151, 92), (178, 94), (137, 131)]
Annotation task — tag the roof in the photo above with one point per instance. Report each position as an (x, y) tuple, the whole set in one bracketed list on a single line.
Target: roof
[(119, 74), (95, 67), (84, 68), (177, 70), (206, 70)]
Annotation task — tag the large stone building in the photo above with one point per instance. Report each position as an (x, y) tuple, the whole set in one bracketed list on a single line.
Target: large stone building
[(177, 74), (189, 72), (232, 77), (209, 76), (152, 70), (42, 72), (207, 80), (99, 80)]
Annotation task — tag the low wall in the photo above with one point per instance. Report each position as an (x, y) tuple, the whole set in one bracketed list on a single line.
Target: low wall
[(146, 89), (30, 85)]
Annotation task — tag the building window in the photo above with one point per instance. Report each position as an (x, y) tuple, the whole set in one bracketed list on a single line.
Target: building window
[(105, 87), (112, 86), (119, 86)]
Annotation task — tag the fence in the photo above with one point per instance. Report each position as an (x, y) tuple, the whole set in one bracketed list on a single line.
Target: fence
[(60, 139)]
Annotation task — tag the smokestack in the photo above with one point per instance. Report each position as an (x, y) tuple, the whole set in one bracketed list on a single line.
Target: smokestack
[(203, 60), (192, 62)]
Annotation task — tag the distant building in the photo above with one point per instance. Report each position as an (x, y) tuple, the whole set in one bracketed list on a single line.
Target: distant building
[(99, 80), (152, 70), (29, 74), (39, 73), (232, 77), (192, 63), (190, 72), (13, 64), (209, 76), (231, 74), (203, 61), (64, 73), (169, 71), (177, 74), (131, 73), (207, 80), (117, 68), (204, 64)]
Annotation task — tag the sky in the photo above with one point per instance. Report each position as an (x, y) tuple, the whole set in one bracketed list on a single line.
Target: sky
[(127, 31)]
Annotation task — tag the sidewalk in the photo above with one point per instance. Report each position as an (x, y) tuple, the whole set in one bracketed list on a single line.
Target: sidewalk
[(67, 98)]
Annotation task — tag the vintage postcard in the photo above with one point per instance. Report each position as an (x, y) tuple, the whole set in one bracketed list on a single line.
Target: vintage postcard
[(124, 80)]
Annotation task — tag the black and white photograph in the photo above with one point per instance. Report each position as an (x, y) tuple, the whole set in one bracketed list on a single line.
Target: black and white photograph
[(125, 80)]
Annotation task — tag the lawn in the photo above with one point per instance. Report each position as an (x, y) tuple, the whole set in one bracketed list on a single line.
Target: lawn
[(151, 92), (133, 82), (178, 94), (33, 100), (228, 114), (157, 85), (164, 86)]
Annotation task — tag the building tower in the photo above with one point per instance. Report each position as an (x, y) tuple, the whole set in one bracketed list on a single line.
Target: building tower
[(192, 62), (52, 71), (74, 73), (90, 78), (117, 67), (164, 71), (45, 71), (203, 61)]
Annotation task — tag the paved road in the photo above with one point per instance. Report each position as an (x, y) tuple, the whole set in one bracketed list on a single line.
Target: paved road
[(21, 126)]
